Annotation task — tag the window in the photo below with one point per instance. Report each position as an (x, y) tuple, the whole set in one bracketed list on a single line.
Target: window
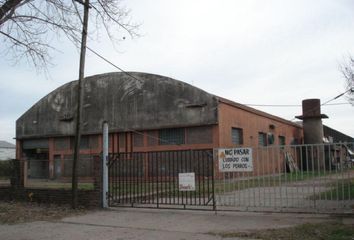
[(152, 138), (87, 142), (84, 142), (295, 141), (282, 140), (198, 135), (237, 136), (262, 139), (171, 136), (61, 143), (270, 138), (138, 139), (121, 140)]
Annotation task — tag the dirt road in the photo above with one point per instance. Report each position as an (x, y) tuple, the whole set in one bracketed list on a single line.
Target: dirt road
[(137, 224)]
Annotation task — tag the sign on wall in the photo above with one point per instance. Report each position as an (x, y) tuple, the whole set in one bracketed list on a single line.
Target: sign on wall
[(186, 181), (235, 159)]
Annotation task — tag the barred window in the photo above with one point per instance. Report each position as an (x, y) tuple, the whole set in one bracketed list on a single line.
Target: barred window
[(62, 143), (237, 135), (171, 136), (152, 138), (138, 139), (84, 142), (262, 139), (199, 135), (282, 140)]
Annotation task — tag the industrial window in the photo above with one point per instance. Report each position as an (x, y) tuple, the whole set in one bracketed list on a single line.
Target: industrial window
[(237, 135), (199, 135), (87, 142), (138, 139), (84, 142), (262, 139), (295, 141), (152, 138), (61, 143), (171, 136), (121, 140), (93, 141), (282, 140)]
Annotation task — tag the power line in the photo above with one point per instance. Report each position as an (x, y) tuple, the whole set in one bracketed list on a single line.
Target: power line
[(327, 103), (336, 97), (109, 62), (288, 105), (139, 80)]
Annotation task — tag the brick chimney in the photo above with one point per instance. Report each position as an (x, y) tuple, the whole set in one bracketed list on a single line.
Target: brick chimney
[(312, 121)]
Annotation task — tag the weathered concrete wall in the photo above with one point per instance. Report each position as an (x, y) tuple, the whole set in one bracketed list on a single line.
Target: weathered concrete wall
[(152, 102)]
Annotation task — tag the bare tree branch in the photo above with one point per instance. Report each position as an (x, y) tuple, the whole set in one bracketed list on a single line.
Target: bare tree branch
[(347, 70), (27, 26)]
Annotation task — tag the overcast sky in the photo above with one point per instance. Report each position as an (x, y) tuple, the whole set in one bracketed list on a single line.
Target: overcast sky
[(251, 52)]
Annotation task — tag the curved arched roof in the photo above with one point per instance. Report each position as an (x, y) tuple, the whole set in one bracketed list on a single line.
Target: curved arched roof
[(127, 101)]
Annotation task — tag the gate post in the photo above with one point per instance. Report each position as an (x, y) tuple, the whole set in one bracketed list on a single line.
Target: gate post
[(105, 166)]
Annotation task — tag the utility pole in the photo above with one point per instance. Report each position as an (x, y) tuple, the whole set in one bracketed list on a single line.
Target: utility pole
[(74, 182)]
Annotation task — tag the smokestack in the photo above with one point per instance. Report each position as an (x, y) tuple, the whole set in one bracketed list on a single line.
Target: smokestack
[(312, 121)]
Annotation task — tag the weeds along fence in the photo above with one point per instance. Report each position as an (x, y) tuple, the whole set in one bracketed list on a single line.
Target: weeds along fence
[(300, 178)]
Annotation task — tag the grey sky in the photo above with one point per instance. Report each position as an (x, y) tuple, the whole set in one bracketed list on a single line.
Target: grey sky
[(261, 52)]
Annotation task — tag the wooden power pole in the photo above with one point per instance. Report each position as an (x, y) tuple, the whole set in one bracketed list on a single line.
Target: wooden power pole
[(74, 186)]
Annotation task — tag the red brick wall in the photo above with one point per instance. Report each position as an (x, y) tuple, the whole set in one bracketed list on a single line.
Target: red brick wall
[(265, 161)]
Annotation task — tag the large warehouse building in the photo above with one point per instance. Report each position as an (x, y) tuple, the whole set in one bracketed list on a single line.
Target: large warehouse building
[(145, 112)]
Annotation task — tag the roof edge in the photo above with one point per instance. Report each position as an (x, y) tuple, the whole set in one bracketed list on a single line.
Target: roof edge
[(255, 111)]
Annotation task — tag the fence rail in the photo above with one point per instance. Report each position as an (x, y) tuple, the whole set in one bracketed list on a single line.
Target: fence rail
[(152, 178), (301, 178)]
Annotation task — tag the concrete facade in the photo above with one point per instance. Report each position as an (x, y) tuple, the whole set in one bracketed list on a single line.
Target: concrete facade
[(145, 112), (146, 101)]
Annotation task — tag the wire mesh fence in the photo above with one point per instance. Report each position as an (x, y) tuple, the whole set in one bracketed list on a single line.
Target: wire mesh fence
[(301, 178), (292, 178)]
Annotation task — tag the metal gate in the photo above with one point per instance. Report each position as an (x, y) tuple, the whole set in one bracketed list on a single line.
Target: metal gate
[(294, 178), (153, 179)]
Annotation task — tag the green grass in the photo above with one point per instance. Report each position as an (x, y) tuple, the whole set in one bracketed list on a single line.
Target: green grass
[(343, 190), (222, 186), (166, 189), (59, 185), (319, 231)]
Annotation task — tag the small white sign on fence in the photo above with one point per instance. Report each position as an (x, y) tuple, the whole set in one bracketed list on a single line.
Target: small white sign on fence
[(235, 159), (186, 181)]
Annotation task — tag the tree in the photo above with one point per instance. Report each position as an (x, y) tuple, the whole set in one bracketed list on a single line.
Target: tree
[(28, 26), (347, 69)]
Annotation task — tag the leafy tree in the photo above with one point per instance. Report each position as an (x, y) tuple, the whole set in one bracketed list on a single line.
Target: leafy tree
[(28, 26)]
